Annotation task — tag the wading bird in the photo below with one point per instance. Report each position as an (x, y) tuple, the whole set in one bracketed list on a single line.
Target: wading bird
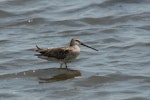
[(62, 54)]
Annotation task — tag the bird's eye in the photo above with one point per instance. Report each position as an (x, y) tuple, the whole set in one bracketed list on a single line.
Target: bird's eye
[(77, 41)]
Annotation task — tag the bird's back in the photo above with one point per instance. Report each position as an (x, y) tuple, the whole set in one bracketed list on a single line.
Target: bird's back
[(62, 53)]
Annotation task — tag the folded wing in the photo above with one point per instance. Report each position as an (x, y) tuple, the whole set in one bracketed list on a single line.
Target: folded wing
[(58, 53)]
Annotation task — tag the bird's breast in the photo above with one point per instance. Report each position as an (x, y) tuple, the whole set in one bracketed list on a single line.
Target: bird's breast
[(73, 53)]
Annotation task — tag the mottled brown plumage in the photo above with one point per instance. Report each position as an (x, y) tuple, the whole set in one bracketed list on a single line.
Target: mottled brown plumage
[(62, 54), (58, 53)]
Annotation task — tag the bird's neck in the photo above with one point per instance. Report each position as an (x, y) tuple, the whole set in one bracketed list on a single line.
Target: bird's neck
[(76, 47)]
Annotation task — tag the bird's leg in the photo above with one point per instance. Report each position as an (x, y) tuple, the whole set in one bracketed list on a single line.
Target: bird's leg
[(61, 64), (66, 65)]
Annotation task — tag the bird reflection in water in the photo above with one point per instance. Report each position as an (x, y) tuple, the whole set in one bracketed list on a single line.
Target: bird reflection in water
[(60, 75)]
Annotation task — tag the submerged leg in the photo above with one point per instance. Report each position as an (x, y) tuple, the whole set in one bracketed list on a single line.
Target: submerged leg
[(66, 65)]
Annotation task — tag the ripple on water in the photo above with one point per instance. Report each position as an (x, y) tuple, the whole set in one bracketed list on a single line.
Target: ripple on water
[(118, 28), (5, 14)]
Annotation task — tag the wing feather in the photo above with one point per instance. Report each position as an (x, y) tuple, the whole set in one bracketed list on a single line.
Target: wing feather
[(58, 53)]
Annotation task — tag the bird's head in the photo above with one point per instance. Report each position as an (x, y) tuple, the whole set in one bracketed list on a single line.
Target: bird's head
[(75, 41)]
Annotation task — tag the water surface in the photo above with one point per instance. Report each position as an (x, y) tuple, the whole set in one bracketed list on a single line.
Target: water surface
[(118, 28)]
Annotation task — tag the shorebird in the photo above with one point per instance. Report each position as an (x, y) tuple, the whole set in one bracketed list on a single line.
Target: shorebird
[(62, 54)]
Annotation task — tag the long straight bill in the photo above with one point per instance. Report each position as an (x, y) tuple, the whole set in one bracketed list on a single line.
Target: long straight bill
[(89, 46)]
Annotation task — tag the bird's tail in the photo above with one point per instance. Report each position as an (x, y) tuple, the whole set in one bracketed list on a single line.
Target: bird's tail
[(37, 49)]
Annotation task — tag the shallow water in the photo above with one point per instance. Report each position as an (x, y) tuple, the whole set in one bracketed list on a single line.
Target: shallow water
[(120, 70)]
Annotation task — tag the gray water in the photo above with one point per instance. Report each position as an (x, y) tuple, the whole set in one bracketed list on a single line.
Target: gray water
[(119, 29)]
